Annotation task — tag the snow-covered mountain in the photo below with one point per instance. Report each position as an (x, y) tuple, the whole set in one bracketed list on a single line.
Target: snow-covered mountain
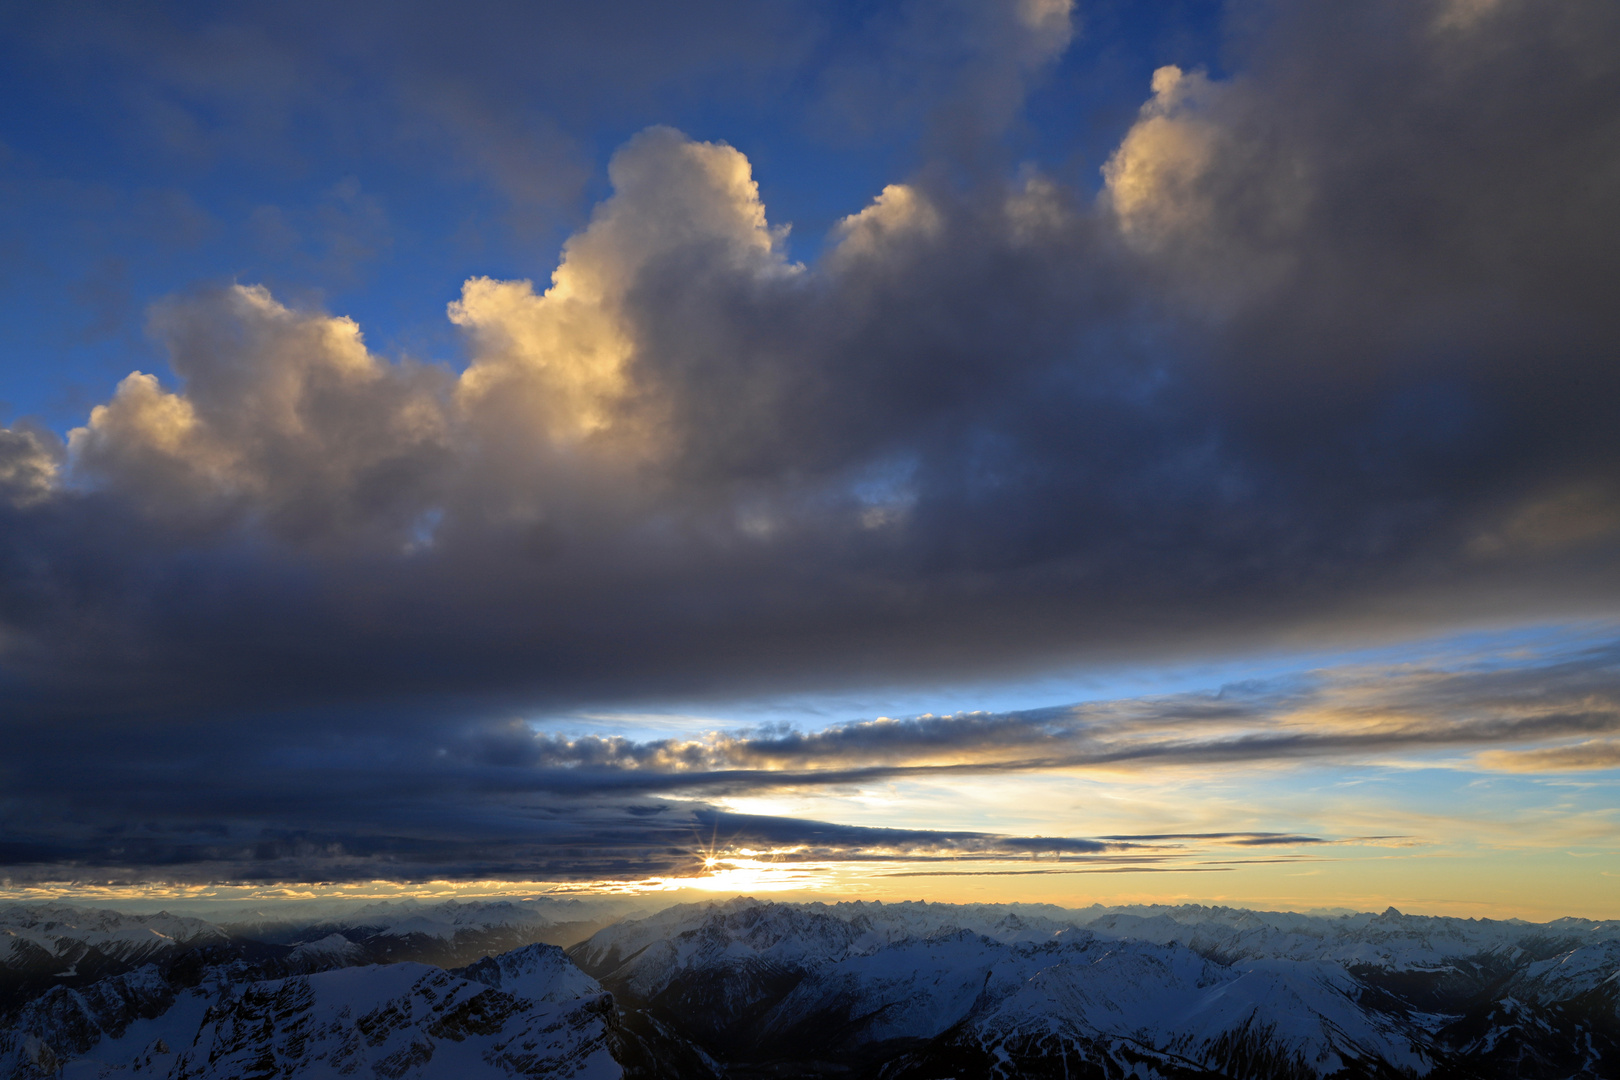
[(926, 989), (447, 934), (866, 991), (332, 951), (542, 972), (407, 1021), (55, 938), (398, 1020), (43, 946)]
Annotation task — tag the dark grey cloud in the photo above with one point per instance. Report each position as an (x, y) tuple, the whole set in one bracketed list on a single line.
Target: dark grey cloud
[(1333, 356), (342, 796), (587, 841), (1244, 839)]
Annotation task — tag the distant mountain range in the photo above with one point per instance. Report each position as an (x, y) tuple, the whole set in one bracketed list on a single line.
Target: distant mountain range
[(746, 989)]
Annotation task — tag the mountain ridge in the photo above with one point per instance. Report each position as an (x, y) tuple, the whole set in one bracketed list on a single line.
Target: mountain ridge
[(742, 988)]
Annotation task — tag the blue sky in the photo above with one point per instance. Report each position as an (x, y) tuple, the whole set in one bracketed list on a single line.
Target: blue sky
[(131, 175), (496, 446)]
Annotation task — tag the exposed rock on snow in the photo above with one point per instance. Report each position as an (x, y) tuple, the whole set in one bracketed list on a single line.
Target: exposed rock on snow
[(406, 1021)]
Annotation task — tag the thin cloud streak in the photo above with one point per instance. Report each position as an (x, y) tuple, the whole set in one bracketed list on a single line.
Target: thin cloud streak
[(510, 801), (1337, 714)]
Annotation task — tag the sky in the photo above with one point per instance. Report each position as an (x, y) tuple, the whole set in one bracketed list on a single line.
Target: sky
[(1094, 452)]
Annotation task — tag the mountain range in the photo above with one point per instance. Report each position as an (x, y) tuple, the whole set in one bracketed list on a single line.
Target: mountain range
[(743, 988)]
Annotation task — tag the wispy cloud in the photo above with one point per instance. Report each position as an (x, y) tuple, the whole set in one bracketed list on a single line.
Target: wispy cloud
[(1588, 754), (1352, 713)]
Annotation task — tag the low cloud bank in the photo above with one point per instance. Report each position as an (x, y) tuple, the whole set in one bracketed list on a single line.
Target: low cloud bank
[(510, 800)]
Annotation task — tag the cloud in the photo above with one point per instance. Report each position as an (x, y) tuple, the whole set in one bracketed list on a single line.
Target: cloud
[(1085, 464), (559, 362), (30, 459), (585, 841), (1153, 178), (301, 798), (283, 415), (898, 214), (1330, 359), (1582, 756), (958, 70), (1349, 714), (335, 241)]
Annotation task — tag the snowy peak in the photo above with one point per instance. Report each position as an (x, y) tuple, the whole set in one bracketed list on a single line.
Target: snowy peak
[(332, 951), (541, 972)]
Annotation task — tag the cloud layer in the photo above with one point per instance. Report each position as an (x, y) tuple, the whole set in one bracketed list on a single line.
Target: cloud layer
[(1330, 352), (276, 800)]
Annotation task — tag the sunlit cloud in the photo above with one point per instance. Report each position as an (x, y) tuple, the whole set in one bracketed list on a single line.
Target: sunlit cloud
[(1572, 757), (1366, 713)]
